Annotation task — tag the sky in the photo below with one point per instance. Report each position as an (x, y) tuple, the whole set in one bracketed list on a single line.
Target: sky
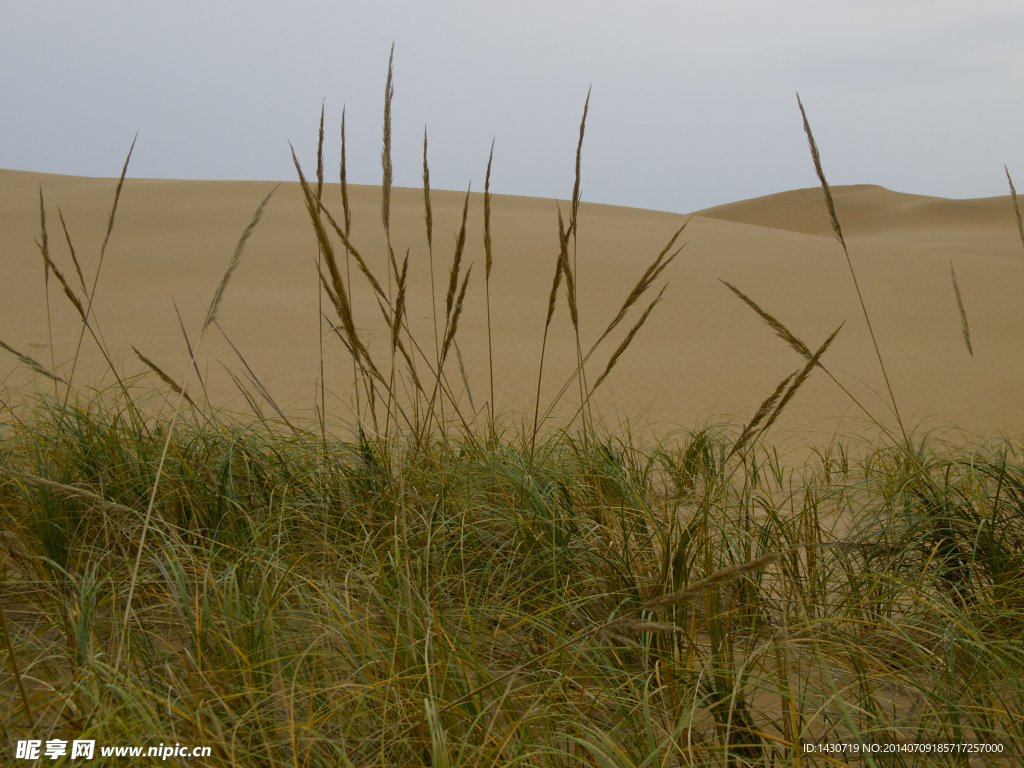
[(693, 104)]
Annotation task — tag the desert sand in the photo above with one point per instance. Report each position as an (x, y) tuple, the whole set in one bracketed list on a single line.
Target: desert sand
[(702, 356)]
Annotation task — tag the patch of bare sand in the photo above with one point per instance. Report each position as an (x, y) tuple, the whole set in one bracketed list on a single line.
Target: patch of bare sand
[(701, 354)]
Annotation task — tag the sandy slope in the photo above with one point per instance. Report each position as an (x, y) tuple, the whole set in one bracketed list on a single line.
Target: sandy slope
[(701, 353)]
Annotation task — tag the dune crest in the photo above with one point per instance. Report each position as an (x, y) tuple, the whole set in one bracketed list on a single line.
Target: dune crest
[(701, 354)]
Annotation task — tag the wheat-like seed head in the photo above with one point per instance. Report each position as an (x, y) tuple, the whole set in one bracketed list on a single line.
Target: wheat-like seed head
[(164, 377), (74, 257), (45, 247), (33, 364), (428, 214), (453, 326), (236, 257), (780, 330), (385, 155), (460, 245), (579, 153), (51, 267), (344, 179), (555, 283), (762, 412), (1016, 205), (113, 208), (816, 157), (646, 280), (626, 341), (570, 283), (320, 157), (963, 312), (799, 380), (396, 323), (487, 211), (718, 578)]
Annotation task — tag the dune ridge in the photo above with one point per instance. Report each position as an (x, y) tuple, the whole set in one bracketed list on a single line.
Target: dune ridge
[(702, 354)]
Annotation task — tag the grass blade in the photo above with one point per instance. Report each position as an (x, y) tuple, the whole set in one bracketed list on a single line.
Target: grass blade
[(1016, 205), (838, 231)]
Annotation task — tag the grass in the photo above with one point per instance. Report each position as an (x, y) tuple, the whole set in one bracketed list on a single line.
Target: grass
[(423, 591)]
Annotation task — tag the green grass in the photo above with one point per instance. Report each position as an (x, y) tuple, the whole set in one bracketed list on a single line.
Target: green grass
[(420, 592)]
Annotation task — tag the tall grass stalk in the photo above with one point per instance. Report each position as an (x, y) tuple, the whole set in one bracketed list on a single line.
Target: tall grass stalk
[(1016, 205), (487, 280), (347, 220), (838, 232), (966, 330), (90, 295), (45, 247), (319, 269), (211, 316)]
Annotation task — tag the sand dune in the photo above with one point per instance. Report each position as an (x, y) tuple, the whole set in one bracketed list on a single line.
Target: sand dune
[(702, 354)]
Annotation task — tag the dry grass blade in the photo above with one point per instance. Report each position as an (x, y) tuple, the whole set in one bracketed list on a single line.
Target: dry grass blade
[(428, 214), (246, 394), (91, 294), (786, 335), (837, 229), (45, 247), (716, 579), (74, 256), (780, 330), (579, 153), (33, 364), (254, 379), (762, 412), (71, 490), (570, 283), (487, 282), (320, 157), (1016, 205), (643, 284), (209, 478), (360, 261), (113, 213), (344, 178), (188, 346), (396, 323), (626, 342), (487, 207), (460, 245), (385, 155), (965, 328), (453, 326), (775, 404), (816, 157), (163, 376), (553, 296), (465, 377), (210, 317), (14, 668), (799, 380), (236, 257), (338, 295), (632, 626), (59, 275), (963, 312), (331, 295)]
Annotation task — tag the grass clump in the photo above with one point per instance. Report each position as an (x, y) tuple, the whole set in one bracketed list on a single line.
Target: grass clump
[(422, 592)]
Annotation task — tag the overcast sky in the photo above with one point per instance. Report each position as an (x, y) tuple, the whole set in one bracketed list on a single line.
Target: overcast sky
[(693, 103)]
